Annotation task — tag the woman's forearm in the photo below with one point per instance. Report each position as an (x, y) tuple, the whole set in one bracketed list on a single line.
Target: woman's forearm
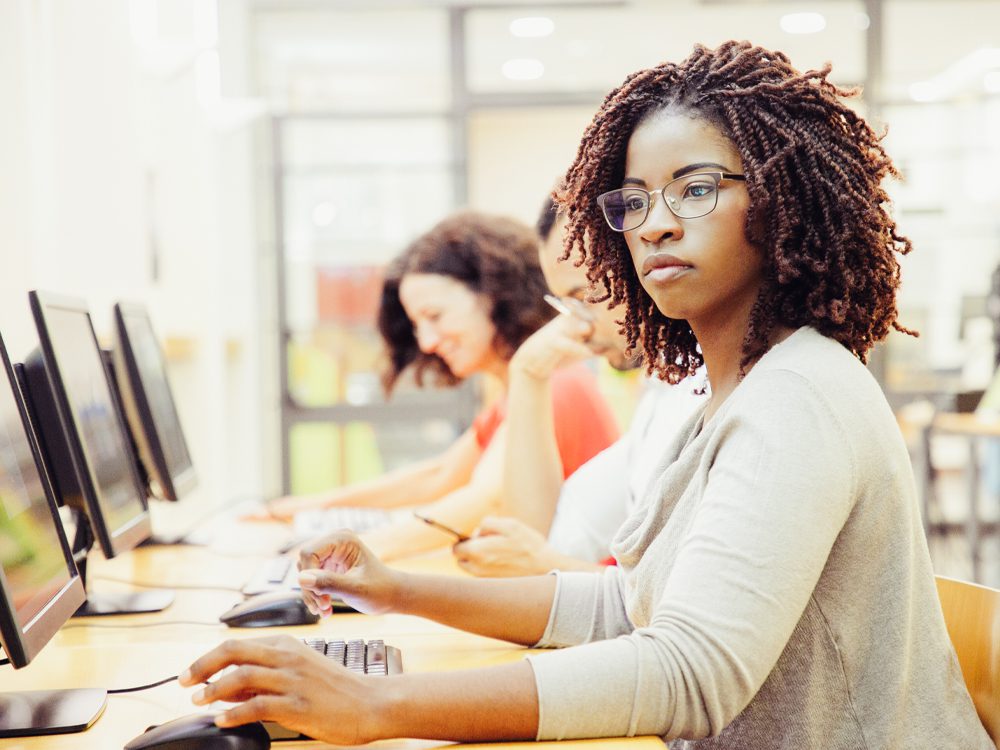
[(416, 484), (510, 609), (500, 703), (461, 510), (410, 485), (533, 472)]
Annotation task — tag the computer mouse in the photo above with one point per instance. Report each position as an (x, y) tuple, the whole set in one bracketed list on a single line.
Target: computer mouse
[(198, 732), (268, 610)]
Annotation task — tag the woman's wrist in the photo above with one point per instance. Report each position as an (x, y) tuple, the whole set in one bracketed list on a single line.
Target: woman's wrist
[(531, 369), (403, 594), (384, 715)]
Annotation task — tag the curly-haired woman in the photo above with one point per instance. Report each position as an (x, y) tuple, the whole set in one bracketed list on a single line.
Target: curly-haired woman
[(459, 301), (774, 588)]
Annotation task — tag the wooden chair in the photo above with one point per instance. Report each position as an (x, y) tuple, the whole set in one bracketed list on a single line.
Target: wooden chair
[(972, 614)]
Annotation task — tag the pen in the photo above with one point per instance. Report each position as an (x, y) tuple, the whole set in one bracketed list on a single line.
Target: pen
[(558, 304), (570, 306), (438, 525)]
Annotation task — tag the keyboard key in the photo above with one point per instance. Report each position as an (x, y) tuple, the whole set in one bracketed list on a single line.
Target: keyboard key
[(373, 657), (355, 657), (277, 569), (316, 644)]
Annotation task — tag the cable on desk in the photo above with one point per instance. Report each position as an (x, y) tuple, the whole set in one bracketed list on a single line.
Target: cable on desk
[(142, 687), (4, 662), (145, 585), (139, 625)]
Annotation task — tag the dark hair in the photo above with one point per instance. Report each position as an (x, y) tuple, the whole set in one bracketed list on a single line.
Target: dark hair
[(817, 210), (547, 218), (491, 255)]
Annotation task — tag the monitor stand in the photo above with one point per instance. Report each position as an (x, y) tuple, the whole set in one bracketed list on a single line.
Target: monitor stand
[(35, 712), (111, 602)]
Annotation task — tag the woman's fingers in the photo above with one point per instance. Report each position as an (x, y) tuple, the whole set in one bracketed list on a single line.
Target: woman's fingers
[(259, 708), (338, 551), (260, 651), (497, 525), (242, 684)]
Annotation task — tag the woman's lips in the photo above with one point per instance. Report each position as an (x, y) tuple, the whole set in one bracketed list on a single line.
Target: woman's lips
[(666, 273), (663, 267)]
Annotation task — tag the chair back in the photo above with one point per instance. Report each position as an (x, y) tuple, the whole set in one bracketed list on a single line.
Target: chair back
[(972, 614)]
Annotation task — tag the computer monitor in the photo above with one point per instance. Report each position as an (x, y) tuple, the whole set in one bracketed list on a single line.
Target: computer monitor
[(149, 403), (40, 587), (83, 438)]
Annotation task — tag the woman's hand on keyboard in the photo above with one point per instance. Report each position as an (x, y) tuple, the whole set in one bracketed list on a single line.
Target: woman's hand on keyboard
[(280, 679), (340, 566)]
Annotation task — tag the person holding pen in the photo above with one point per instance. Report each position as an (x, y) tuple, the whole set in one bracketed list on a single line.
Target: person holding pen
[(774, 588), (458, 302)]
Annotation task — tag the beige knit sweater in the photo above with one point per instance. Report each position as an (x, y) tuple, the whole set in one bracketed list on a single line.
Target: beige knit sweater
[(774, 588)]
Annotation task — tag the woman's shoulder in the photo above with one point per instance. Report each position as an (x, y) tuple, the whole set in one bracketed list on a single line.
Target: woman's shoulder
[(812, 372), (813, 358)]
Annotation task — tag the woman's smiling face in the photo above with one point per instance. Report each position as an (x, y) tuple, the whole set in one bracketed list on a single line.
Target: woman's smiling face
[(702, 270), (451, 321)]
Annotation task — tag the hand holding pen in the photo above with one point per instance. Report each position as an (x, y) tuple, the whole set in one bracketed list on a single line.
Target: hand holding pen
[(559, 342), (459, 536), (574, 308)]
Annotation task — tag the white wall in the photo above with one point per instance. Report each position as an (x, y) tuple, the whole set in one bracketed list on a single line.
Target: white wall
[(114, 144)]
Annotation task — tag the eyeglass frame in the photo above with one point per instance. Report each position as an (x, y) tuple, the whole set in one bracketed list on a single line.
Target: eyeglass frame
[(718, 175)]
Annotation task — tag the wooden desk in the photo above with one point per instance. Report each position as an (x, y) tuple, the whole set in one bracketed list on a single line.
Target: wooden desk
[(973, 429), (87, 653)]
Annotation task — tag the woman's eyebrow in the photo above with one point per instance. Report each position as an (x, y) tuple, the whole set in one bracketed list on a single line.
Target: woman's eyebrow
[(680, 172), (700, 165)]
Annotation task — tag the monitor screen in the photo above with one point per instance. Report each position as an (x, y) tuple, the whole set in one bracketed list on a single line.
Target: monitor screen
[(40, 585), (91, 423), (149, 403)]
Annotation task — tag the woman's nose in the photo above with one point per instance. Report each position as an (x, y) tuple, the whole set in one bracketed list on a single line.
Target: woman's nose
[(428, 338), (661, 223)]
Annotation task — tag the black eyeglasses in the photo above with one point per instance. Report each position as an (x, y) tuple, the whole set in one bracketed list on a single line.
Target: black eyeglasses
[(687, 197)]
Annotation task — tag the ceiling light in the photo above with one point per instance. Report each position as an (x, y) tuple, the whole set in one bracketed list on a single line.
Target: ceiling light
[(802, 23), (532, 26), (324, 213), (523, 69), (991, 82)]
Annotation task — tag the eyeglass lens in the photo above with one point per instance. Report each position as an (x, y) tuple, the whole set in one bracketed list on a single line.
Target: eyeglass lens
[(688, 197)]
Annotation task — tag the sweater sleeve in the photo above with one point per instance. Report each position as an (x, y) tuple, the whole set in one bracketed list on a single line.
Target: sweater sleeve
[(587, 607), (778, 489)]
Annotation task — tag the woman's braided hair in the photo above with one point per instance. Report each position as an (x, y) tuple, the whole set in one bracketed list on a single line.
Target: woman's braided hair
[(817, 210)]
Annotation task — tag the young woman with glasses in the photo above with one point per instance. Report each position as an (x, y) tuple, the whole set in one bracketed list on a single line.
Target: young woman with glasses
[(456, 303), (774, 588)]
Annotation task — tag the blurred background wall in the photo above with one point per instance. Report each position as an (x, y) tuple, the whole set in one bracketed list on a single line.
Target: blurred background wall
[(246, 168)]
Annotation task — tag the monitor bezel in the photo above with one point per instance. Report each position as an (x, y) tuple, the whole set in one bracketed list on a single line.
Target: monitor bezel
[(23, 643), (113, 541), (136, 401)]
